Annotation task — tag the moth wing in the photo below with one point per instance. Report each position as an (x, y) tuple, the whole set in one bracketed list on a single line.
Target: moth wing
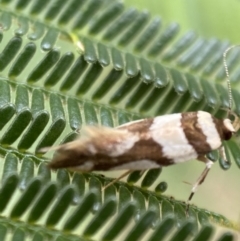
[(142, 144)]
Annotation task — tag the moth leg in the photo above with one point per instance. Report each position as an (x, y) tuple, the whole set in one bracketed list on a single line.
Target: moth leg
[(200, 180), (117, 179), (222, 153)]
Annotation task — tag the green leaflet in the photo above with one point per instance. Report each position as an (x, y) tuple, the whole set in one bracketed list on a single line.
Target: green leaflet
[(133, 66), (63, 202)]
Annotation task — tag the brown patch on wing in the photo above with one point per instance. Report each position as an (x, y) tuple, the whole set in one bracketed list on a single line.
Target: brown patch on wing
[(141, 126), (194, 133), (144, 149), (148, 149)]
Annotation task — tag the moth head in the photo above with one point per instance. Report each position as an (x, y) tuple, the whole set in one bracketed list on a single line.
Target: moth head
[(226, 129), (229, 127), (236, 121)]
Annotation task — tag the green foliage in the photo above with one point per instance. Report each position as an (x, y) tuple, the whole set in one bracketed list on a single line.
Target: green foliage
[(130, 69)]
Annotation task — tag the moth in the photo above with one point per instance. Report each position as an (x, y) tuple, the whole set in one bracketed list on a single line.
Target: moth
[(149, 143)]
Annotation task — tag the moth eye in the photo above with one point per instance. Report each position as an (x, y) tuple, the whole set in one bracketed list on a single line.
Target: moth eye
[(227, 135)]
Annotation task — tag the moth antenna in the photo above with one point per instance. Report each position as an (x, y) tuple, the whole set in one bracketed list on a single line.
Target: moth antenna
[(228, 78), (236, 123)]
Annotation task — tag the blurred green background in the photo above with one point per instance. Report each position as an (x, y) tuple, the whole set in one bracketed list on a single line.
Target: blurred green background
[(209, 18)]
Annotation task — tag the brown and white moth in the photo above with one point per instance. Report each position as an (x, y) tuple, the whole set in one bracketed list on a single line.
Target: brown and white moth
[(149, 143)]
